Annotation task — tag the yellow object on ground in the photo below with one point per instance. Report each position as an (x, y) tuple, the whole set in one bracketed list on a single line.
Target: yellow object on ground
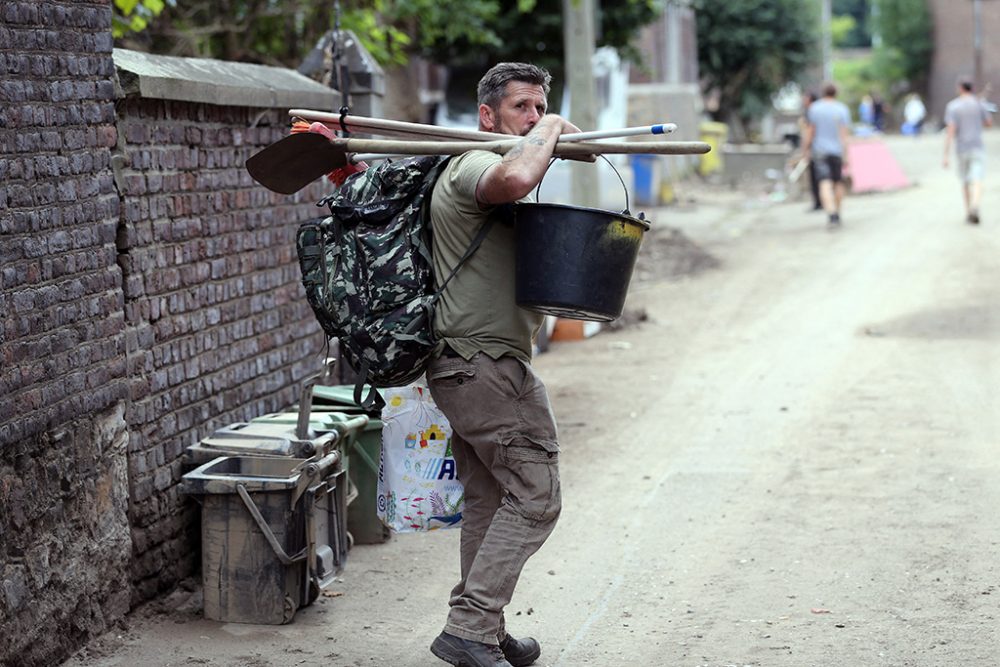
[(713, 134)]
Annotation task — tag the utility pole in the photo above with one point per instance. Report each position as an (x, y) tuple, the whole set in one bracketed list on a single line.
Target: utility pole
[(578, 45), (977, 45), (826, 16)]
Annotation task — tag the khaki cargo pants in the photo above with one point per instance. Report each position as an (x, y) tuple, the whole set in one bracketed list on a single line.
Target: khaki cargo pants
[(505, 446)]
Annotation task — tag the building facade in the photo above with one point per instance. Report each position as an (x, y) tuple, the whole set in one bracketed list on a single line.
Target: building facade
[(957, 23)]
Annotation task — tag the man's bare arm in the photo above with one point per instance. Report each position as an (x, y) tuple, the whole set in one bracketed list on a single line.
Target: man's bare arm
[(949, 136), (523, 166)]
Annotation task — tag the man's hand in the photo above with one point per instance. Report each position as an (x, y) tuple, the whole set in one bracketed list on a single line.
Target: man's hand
[(944, 161), (570, 128)]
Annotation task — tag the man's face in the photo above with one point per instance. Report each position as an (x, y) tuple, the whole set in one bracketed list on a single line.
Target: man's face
[(519, 110)]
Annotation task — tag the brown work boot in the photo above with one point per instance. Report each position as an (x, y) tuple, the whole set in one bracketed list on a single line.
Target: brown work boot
[(520, 652), (467, 653)]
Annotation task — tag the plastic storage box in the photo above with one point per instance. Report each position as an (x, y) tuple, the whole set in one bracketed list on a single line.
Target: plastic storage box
[(273, 533)]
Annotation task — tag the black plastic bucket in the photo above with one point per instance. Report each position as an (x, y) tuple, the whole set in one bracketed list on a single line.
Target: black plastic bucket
[(575, 262)]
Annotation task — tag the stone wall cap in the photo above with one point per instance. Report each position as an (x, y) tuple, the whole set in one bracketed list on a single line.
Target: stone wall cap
[(219, 82)]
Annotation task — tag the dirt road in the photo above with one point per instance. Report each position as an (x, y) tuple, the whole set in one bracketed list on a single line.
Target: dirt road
[(792, 463)]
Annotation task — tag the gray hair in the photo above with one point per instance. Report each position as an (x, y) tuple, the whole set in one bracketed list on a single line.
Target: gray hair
[(493, 86)]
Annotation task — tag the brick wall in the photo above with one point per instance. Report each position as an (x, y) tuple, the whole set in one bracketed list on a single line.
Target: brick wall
[(64, 543), (954, 51), (149, 294), (217, 326)]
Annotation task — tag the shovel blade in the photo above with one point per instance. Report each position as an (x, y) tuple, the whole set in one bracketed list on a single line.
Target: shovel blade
[(292, 163)]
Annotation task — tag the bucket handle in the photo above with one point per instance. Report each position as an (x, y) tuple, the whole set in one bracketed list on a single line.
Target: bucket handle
[(620, 179), (266, 529)]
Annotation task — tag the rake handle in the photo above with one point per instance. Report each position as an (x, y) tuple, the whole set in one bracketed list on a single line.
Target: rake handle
[(420, 130)]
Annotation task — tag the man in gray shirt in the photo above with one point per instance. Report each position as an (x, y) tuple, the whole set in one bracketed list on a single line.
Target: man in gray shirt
[(826, 144), (965, 116)]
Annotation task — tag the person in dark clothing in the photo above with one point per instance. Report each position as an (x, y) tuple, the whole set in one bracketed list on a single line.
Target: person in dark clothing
[(878, 112), (807, 100)]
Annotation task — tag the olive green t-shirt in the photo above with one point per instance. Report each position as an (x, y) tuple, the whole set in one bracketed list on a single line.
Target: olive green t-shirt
[(477, 311)]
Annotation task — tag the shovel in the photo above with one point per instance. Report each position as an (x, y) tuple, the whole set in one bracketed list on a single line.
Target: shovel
[(290, 164)]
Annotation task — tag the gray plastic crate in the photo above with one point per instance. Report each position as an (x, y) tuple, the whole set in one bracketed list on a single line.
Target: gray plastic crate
[(273, 533)]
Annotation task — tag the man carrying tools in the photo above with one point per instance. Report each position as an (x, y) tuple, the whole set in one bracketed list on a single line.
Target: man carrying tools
[(504, 433)]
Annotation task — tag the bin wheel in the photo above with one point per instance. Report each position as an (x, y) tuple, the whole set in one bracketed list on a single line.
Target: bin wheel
[(289, 611), (313, 591)]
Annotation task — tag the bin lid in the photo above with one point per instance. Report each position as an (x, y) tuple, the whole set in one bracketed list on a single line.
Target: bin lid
[(342, 394), (246, 444), (271, 429), (341, 397), (223, 474), (321, 421), (247, 439)]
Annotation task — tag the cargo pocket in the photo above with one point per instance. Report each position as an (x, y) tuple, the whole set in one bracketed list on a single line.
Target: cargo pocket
[(533, 482), (453, 384), (451, 373), (517, 447)]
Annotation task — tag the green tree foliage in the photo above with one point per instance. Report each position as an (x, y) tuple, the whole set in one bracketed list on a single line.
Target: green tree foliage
[(274, 32), (842, 29), (532, 31), (859, 35), (903, 58), (393, 30), (453, 32), (132, 16), (900, 62), (749, 49)]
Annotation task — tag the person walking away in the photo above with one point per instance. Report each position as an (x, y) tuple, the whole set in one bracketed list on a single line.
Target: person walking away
[(965, 117), (914, 113), (826, 144), (807, 101), (866, 111), (879, 109), (504, 433)]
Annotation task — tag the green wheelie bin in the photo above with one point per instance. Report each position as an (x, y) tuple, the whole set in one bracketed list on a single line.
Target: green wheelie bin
[(362, 464)]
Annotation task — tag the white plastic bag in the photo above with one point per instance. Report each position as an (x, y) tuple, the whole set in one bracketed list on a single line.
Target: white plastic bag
[(418, 487)]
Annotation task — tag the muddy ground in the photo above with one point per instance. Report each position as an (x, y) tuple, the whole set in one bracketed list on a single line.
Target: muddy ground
[(789, 458)]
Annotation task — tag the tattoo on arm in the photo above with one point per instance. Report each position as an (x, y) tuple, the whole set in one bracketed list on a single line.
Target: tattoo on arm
[(531, 139), (514, 152)]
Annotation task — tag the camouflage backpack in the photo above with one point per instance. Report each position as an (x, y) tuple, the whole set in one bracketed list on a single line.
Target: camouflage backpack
[(368, 275)]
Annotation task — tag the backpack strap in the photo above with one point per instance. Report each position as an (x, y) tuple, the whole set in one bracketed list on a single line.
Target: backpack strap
[(477, 241), (373, 403)]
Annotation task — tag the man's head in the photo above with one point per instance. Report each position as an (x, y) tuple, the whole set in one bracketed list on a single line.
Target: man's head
[(829, 90), (512, 98), (966, 85)]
